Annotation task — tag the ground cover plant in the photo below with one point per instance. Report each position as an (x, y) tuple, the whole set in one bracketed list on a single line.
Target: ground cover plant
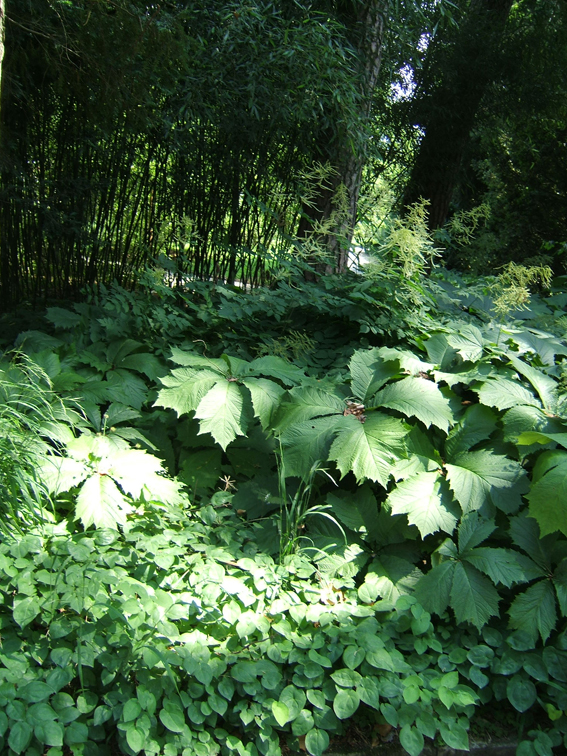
[(250, 518)]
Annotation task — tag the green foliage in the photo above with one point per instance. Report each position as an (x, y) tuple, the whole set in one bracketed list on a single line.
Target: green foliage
[(228, 659), (30, 415), (409, 244), (513, 285), (327, 494)]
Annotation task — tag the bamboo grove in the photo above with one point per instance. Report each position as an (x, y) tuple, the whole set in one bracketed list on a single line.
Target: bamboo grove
[(130, 130)]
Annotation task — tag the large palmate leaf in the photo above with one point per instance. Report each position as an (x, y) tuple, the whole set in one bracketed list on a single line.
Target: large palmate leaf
[(369, 449), (475, 475), (477, 424), (433, 590), (473, 530), (426, 501), (304, 403), (222, 412), (61, 474), (473, 597), (439, 351), (369, 372), (524, 419), (560, 583), (525, 534), (190, 359), (126, 388), (101, 464), (185, 388), (305, 443), (409, 362), (422, 456), (534, 437), (504, 393), (417, 397), (469, 342), (140, 475), (534, 610), (276, 367), (542, 344), (501, 565), (389, 577), (545, 386), (358, 511), (458, 580), (100, 503), (143, 362), (548, 494), (266, 396)]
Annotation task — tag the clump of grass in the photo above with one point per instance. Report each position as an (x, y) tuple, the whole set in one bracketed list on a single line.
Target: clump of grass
[(32, 422)]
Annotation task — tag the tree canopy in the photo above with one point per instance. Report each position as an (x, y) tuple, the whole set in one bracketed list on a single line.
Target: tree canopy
[(228, 136)]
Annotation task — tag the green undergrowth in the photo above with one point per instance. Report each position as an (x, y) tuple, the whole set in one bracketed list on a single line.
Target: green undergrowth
[(178, 636), (232, 520)]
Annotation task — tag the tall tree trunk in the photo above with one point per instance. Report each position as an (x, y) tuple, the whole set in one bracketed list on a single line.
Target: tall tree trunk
[(2, 25), (337, 197), (447, 109)]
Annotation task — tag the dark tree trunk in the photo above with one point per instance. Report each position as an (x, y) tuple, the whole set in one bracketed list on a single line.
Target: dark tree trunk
[(2, 25), (447, 107), (337, 198)]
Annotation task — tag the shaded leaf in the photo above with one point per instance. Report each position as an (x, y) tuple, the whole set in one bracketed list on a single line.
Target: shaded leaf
[(369, 372), (521, 693), (548, 494), (475, 475), (473, 597), (305, 403), (545, 386), (525, 534), (434, 589), (276, 367), (473, 530), (477, 424), (305, 443), (501, 565), (411, 739), (534, 610), (266, 396)]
